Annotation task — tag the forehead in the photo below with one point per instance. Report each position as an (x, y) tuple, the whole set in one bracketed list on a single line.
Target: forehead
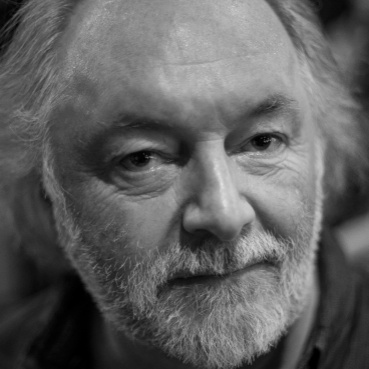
[(172, 54), (175, 31)]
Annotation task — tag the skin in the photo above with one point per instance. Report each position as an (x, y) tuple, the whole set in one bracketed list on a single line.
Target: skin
[(182, 121)]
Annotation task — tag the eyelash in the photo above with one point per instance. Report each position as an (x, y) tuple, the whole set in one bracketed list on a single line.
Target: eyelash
[(146, 154), (283, 140)]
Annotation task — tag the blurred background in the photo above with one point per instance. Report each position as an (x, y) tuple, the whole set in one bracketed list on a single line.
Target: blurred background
[(346, 24)]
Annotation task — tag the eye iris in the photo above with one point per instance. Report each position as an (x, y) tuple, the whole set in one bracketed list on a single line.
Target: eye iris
[(262, 142), (140, 159)]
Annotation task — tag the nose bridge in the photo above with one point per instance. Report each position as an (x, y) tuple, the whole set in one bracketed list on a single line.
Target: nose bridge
[(218, 188), (218, 205)]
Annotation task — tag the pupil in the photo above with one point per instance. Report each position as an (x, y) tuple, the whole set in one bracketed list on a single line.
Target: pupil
[(140, 159), (263, 141)]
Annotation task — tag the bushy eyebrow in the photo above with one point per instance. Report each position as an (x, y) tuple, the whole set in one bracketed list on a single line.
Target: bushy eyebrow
[(132, 121), (275, 104)]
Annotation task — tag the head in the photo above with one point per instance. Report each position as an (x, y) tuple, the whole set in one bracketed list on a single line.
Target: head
[(182, 145)]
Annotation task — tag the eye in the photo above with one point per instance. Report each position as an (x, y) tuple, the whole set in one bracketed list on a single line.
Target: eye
[(141, 161), (266, 142)]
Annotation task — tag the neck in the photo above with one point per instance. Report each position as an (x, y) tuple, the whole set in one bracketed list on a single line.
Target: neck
[(114, 350)]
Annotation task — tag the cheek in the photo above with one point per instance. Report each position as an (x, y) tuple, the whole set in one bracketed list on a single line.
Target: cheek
[(118, 227), (286, 201)]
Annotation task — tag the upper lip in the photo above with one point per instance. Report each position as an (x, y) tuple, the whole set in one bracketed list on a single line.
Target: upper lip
[(208, 273)]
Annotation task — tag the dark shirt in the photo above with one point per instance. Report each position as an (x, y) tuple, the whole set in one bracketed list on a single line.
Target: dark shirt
[(52, 330)]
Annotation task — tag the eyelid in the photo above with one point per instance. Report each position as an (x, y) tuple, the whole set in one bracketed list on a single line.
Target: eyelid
[(161, 157), (130, 167), (271, 133), (277, 134), (138, 140), (149, 179)]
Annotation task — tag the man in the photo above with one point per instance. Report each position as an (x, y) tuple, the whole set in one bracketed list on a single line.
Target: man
[(181, 146)]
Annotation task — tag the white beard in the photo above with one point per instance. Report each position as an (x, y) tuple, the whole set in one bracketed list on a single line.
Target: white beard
[(219, 325)]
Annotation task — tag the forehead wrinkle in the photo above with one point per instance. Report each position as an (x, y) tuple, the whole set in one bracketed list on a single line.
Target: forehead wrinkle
[(277, 105)]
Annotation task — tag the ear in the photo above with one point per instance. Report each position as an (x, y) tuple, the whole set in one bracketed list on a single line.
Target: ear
[(34, 220)]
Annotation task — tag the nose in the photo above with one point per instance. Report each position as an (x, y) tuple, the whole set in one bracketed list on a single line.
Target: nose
[(217, 205)]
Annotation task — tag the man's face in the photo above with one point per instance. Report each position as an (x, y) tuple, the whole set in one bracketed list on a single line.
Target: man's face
[(190, 171)]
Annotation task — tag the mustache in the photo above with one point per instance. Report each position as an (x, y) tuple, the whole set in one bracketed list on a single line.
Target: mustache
[(213, 257)]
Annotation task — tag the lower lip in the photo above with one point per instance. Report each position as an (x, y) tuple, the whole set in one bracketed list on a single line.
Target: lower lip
[(212, 279)]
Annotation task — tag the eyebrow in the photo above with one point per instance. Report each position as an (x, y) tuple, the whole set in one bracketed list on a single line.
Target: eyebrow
[(132, 121), (274, 104)]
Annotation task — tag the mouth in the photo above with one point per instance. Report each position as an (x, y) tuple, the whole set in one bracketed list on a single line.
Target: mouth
[(186, 279)]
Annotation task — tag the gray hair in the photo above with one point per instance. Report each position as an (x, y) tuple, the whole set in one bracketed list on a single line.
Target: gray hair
[(29, 83), (29, 90), (339, 116)]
